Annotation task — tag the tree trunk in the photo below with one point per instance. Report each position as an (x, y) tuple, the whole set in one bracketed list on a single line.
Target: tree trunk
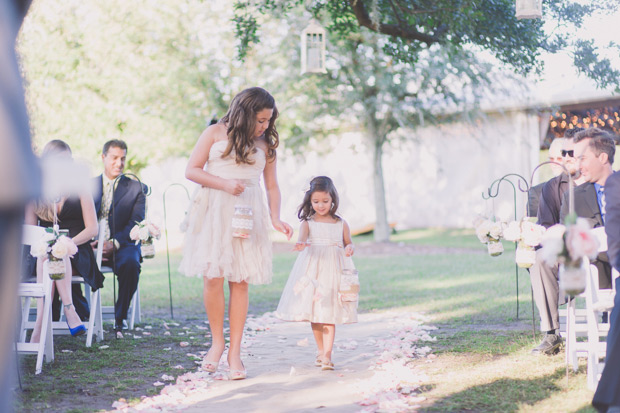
[(382, 228)]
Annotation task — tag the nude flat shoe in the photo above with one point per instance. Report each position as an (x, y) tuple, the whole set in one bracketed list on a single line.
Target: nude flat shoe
[(318, 362), (327, 365)]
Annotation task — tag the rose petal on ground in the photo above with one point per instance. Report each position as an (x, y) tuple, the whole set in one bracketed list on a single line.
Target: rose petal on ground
[(158, 383), (183, 344), (71, 351), (303, 343), (101, 347)]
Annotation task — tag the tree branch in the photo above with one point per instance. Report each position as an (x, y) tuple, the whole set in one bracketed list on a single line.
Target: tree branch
[(406, 32)]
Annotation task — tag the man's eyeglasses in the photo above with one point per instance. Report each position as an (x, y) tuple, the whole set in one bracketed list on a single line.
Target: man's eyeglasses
[(569, 153)]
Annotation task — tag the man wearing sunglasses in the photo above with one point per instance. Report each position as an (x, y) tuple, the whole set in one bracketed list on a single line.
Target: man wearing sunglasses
[(534, 193), (544, 277)]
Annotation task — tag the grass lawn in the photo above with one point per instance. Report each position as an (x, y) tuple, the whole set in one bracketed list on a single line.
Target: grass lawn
[(483, 361)]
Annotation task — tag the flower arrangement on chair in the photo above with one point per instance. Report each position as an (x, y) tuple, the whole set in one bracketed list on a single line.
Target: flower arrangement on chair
[(567, 246), (527, 235), (144, 232), (490, 233), (56, 246)]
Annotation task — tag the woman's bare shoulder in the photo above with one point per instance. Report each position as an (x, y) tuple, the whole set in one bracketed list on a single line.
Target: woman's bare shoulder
[(216, 132)]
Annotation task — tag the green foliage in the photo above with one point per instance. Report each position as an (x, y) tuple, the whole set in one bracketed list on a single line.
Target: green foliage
[(413, 26), (153, 76)]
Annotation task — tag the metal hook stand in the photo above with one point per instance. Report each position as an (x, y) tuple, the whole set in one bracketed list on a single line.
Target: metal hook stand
[(571, 211), (493, 192), (166, 231)]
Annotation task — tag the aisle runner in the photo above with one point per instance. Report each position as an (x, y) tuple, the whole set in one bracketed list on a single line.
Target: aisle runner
[(374, 368)]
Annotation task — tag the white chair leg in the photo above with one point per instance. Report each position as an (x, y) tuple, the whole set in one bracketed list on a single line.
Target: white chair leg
[(98, 317), (24, 321), (91, 321), (134, 311)]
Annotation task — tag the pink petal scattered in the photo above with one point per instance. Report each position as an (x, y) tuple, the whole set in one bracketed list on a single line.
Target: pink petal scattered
[(303, 343), (183, 344)]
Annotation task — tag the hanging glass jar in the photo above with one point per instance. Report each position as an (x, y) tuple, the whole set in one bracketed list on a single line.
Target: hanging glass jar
[(147, 248), (495, 248), (56, 267), (242, 222), (572, 277), (525, 255)]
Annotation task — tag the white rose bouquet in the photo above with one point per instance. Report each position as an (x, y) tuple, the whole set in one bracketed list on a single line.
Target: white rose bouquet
[(567, 246), (527, 235), (144, 232), (490, 233), (56, 246)]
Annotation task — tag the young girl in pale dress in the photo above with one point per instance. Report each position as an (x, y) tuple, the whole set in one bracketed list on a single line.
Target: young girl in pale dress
[(315, 290), (220, 244)]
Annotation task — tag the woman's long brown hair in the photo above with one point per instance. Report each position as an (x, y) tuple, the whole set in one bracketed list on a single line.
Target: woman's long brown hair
[(241, 124)]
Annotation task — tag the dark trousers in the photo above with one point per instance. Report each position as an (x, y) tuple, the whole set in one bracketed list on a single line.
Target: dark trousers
[(608, 390), (127, 269)]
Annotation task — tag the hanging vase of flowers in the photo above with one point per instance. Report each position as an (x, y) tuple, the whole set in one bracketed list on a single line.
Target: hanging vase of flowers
[(144, 232), (55, 246), (567, 246)]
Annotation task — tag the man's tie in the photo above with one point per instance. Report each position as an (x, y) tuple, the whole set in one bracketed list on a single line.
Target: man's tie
[(601, 192), (106, 202)]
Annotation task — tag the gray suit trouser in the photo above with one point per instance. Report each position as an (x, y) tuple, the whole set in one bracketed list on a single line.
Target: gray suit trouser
[(546, 290)]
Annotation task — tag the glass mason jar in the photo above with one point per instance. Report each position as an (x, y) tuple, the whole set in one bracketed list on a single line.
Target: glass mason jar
[(147, 248), (242, 222), (572, 277), (495, 248), (349, 285), (56, 267), (525, 255)]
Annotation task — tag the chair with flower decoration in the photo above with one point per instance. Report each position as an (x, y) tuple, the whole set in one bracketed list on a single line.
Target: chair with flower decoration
[(598, 301), (27, 291), (587, 322), (95, 320)]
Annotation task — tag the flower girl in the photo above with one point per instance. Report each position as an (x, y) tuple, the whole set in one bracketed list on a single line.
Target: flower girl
[(322, 287)]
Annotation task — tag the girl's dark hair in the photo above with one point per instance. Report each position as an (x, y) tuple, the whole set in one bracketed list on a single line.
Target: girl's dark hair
[(318, 184), (241, 124)]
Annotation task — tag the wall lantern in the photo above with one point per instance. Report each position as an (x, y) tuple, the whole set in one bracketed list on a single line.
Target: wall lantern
[(529, 9), (313, 48)]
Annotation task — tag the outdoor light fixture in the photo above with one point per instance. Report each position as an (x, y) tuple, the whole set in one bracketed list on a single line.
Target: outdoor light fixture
[(529, 9), (313, 48)]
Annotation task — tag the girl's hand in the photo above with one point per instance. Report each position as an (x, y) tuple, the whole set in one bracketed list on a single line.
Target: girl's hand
[(349, 250), (300, 246), (234, 187), (284, 228)]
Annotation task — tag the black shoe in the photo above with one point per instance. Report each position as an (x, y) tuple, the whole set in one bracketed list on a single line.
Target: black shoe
[(549, 346), (118, 330)]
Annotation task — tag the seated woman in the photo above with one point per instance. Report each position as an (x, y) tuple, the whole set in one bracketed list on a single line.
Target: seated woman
[(77, 215)]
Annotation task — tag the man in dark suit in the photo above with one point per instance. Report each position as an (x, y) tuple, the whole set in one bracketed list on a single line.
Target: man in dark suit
[(544, 277), (122, 201), (607, 396), (595, 150), (555, 155)]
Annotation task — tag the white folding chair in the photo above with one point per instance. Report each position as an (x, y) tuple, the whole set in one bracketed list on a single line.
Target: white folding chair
[(27, 291), (597, 302), (95, 319)]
